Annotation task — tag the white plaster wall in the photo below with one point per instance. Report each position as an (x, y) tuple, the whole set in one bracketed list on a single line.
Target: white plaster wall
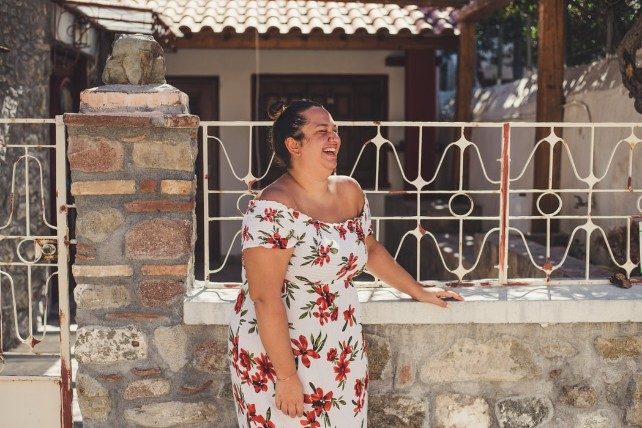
[(594, 93), (234, 69)]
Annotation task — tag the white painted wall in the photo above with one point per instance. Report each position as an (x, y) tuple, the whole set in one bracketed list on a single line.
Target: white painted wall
[(234, 69), (594, 93)]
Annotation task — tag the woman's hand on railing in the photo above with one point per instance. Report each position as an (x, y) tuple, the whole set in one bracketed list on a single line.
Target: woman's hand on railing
[(436, 296)]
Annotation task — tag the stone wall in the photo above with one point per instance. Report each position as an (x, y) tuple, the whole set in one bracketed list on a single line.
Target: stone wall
[(24, 92), (482, 375)]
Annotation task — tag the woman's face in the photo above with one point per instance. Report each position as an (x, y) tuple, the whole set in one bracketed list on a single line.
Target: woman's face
[(321, 142)]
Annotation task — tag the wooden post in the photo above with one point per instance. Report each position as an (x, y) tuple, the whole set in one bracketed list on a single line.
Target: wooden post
[(550, 100), (421, 105), (466, 68)]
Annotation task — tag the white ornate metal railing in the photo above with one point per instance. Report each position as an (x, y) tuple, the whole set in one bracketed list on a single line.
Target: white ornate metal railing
[(607, 151), (34, 246)]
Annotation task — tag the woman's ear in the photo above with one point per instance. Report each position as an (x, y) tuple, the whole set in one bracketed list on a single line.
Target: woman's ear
[(293, 146)]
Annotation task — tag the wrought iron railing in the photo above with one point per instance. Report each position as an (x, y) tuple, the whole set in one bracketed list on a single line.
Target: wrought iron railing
[(33, 240), (607, 167)]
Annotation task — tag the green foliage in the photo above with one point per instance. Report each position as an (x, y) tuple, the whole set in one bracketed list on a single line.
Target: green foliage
[(594, 28)]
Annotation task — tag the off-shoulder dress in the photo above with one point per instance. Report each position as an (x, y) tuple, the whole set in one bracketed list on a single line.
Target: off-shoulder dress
[(323, 312)]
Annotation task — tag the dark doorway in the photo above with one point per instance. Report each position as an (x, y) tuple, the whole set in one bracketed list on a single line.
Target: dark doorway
[(203, 102), (347, 97)]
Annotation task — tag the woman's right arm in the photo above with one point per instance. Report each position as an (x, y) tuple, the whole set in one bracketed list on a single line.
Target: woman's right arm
[(265, 270)]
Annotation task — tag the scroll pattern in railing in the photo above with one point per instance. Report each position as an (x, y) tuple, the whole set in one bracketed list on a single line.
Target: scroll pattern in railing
[(597, 162), (33, 243)]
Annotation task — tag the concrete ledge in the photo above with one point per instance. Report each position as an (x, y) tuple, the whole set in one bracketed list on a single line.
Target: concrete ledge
[(484, 305)]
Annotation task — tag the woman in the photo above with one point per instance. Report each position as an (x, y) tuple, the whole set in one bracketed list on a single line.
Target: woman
[(296, 348)]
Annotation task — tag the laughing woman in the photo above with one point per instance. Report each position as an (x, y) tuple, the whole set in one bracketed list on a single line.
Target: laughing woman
[(296, 347)]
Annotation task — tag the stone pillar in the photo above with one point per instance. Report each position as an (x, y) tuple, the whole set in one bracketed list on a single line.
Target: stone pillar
[(131, 151)]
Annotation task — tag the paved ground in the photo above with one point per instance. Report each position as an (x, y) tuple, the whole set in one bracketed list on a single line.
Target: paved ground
[(34, 365)]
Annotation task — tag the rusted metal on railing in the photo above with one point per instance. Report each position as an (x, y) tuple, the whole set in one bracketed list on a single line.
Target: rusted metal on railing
[(506, 185), (49, 252)]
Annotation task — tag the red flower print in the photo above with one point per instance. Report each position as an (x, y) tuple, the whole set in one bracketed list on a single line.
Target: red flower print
[(262, 423), (322, 315), (302, 350), (240, 299), (251, 411), (269, 214), (246, 236), (310, 420), (351, 225), (348, 316), (332, 354), (295, 214), (334, 315), (238, 397), (346, 349), (264, 366), (342, 369), (358, 387), (342, 231), (324, 255), (245, 376), (246, 360), (259, 382), (277, 241), (320, 402), (349, 263), (325, 299)]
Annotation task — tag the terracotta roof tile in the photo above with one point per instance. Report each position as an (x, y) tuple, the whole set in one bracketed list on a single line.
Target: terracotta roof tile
[(299, 16)]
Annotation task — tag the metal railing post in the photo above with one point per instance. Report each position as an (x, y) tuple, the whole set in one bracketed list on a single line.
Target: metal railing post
[(504, 211), (63, 274)]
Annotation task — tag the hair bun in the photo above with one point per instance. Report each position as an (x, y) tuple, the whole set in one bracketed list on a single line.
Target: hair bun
[(276, 109)]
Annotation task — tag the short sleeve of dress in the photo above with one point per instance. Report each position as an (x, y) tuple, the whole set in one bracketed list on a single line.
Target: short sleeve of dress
[(268, 224), (367, 220)]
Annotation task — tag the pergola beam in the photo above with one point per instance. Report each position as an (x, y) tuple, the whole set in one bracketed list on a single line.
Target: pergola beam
[(477, 9)]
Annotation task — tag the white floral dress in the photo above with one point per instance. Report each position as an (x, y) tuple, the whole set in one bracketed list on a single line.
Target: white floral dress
[(323, 313)]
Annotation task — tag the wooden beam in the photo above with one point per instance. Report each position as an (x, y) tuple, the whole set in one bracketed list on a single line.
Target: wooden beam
[(466, 69), (550, 101), (477, 9), (209, 40)]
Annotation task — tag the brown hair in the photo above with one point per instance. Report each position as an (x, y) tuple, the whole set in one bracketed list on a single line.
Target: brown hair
[(288, 121)]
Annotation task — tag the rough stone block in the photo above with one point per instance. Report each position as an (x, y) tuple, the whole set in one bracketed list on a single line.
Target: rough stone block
[(405, 372), (136, 316), (165, 155), (171, 414), (105, 187), (211, 356), (92, 296), (157, 206), (148, 186), (146, 388), (104, 345), (579, 396), (178, 187), (634, 412), (523, 412), (499, 359), (555, 348), (165, 270), (614, 348), (148, 372), (171, 344), (85, 252), (159, 239), (378, 349), (99, 224), (396, 411), (159, 293), (455, 411), (93, 398), (88, 271), (94, 154), (599, 419)]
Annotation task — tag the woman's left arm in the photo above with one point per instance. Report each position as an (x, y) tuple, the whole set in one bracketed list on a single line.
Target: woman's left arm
[(382, 265)]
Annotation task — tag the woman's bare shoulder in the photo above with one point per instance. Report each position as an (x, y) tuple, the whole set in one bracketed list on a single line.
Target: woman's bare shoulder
[(349, 189), (277, 192)]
